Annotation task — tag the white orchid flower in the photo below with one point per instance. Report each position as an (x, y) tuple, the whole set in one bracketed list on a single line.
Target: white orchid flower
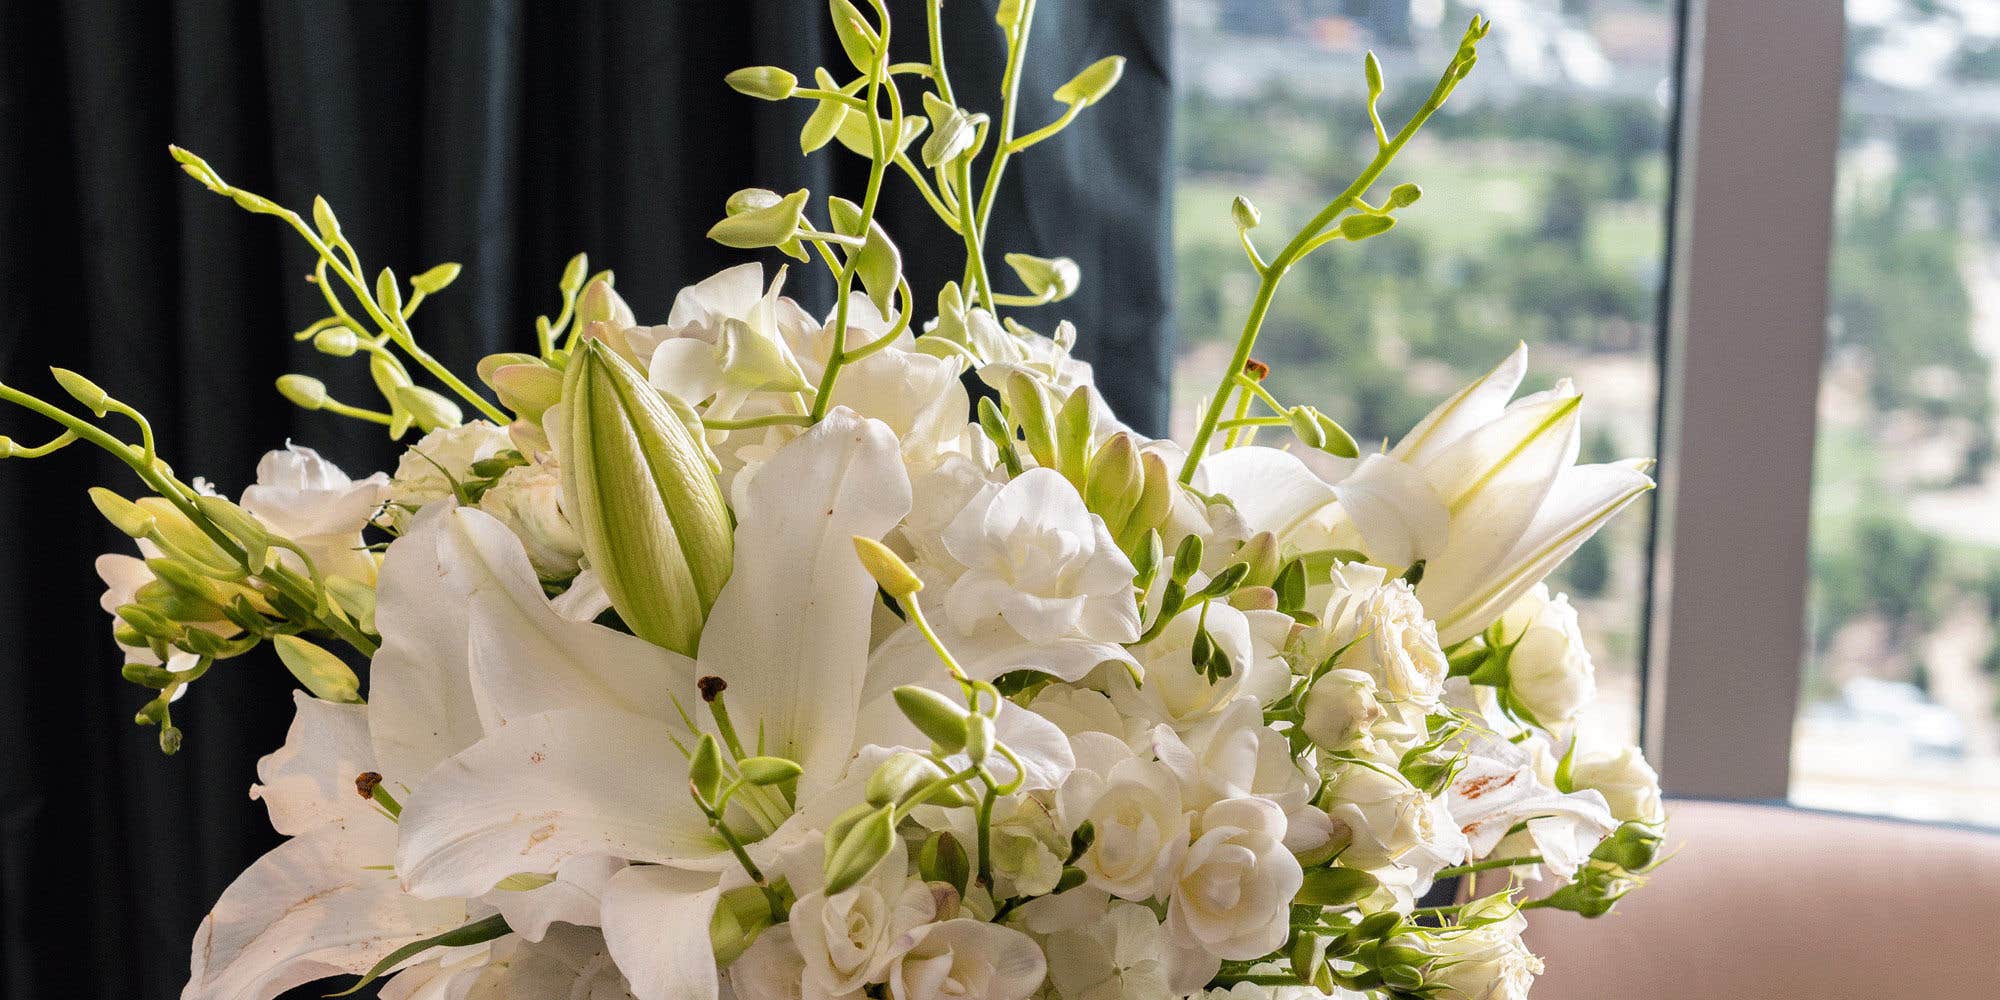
[(309, 500), (1502, 784)]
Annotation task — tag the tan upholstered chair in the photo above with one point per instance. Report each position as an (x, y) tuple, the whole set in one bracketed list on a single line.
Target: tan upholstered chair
[(1769, 903)]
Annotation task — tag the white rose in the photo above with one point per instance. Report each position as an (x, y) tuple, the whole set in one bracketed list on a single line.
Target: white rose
[(1122, 956), (426, 472), (967, 958), (848, 940), (1387, 635), (1489, 962), (1234, 754), (1341, 711), (1233, 893), (528, 499), (307, 499), (1629, 785), (1549, 670), (1378, 815), (1141, 831)]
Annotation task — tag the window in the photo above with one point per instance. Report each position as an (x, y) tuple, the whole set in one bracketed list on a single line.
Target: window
[(1543, 219), (1900, 703)]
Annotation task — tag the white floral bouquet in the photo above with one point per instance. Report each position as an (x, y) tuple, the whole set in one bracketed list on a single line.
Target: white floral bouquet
[(743, 655)]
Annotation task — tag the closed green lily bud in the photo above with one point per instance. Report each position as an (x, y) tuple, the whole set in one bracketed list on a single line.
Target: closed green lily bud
[(935, 715), (320, 671), (644, 500), (853, 856)]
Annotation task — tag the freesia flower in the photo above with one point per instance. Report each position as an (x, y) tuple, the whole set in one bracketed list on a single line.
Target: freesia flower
[(1233, 892), (308, 500), (965, 959)]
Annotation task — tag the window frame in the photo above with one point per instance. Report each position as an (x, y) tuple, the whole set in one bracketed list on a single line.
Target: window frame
[(1758, 125)]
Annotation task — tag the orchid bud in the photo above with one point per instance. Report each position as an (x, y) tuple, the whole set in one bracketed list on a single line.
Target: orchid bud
[(336, 342), (429, 409), (324, 220), (1260, 553), (1361, 226), (527, 389), (95, 399), (865, 844), (126, 516), (943, 859), (1336, 440), (877, 262), (1404, 195), (1096, 80), (1052, 279), (952, 131), (935, 715), (822, 125), (1245, 213), (239, 524), (639, 489), (304, 391), (857, 38), (766, 83), (437, 278), (891, 573), (323, 673), (757, 228)]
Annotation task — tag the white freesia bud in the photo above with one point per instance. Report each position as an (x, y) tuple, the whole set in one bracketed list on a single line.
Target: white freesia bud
[(1392, 639), (847, 940), (966, 958), (1232, 896), (427, 472), (1341, 711), (1489, 962), (1628, 783), (1549, 671), (528, 499)]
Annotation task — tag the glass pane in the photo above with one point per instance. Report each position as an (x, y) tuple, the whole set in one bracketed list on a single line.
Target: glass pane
[(1543, 219), (1898, 712)]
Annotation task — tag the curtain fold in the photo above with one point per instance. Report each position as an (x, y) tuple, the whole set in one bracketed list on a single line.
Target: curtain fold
[(506, 135)]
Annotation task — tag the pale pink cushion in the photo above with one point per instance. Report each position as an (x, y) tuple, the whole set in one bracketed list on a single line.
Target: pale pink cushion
[(1768, 903)]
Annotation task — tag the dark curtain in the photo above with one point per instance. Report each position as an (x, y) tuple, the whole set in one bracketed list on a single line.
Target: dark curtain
[(504, 134)]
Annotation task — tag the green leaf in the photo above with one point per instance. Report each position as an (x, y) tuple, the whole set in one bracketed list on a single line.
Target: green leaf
[(477, 932)]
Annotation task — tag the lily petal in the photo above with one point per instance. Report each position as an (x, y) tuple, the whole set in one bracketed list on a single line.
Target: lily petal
[(656, 924), (1398, 514), (789, 631), (1272, 490), (421, 708), (310, 780), (310, 909), (1468, 409), (547, 788)]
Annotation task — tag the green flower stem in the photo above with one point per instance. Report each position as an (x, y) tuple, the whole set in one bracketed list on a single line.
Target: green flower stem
[(1488, 865), (178, 494), (1301, 244), (1239, 421), (1010, 86), (975, 253), (986, 824), (768, 420), (945, 213), (341, 409), (1069, 115), (878, 164), (933, 17)]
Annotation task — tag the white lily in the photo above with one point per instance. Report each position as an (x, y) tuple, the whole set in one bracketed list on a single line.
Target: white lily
[(576, 752)]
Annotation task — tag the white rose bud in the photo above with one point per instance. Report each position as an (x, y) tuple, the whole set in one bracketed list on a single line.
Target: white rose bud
[(1489, 963), (528, 499), (1377, 815), (1341, 710), (1629, 785), (1135, 809), (1549, 670)]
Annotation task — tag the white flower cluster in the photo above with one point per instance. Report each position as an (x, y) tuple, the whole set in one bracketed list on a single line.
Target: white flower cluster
[(760, 656), (1116, 749)]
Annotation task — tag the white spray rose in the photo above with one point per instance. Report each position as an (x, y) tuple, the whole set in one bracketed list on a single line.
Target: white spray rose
[(1135, 808), (1233, 754), (1122, 956), (426, 472), (309, 500), (528, 499), (969, 959), (1490, 962), (1549, 670), (1628, 783), (847, 940), (1392, 640), (1233, 893)]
